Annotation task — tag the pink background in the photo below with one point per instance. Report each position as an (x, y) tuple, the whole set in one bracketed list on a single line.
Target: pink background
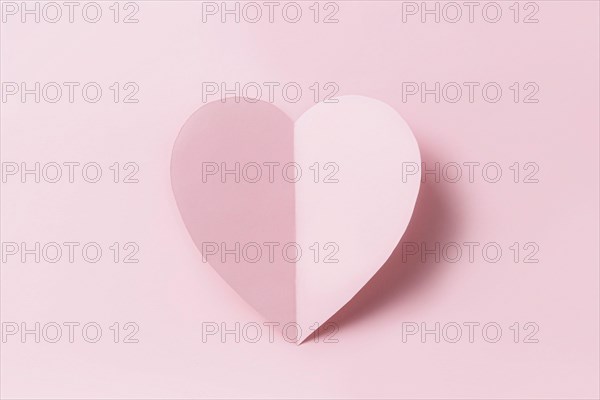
[(170, 293)]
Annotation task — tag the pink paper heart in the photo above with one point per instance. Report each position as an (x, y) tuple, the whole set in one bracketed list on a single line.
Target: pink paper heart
[(352, 207)]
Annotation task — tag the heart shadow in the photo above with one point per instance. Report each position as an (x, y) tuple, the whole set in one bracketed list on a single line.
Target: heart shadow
[(433, 220)]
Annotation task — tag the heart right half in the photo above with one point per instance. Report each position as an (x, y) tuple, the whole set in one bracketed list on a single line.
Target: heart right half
[(297, 218)]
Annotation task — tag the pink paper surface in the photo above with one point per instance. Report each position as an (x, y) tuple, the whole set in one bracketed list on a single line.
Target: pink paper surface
[(549, 208)]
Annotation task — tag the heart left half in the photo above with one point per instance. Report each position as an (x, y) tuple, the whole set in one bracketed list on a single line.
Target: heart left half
[(225, 213)]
